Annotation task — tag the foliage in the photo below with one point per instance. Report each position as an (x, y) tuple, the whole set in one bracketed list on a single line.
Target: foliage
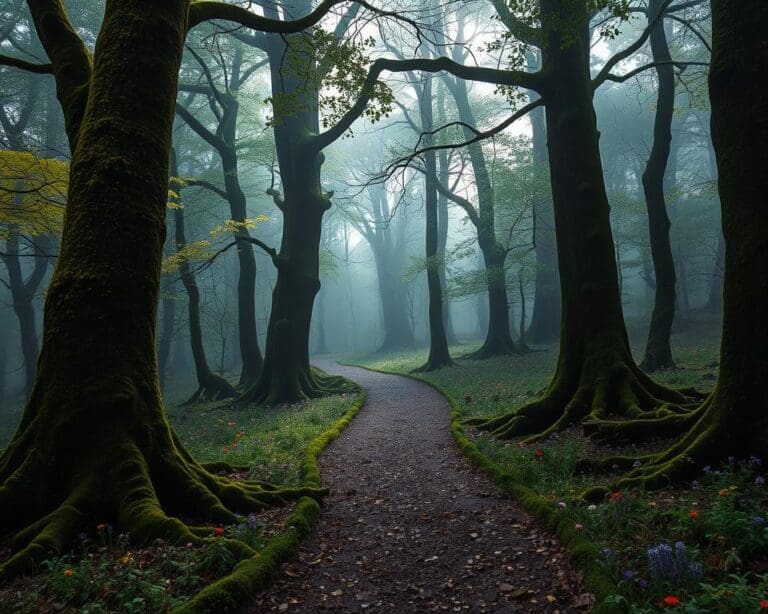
[(32, 193)]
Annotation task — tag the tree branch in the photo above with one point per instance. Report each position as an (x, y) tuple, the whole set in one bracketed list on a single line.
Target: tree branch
[(7, 60), (194, 123), (644, 67), (529, 81)]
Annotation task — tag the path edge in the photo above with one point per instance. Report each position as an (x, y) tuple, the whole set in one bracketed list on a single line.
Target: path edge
[(254, 574), (583, 553)]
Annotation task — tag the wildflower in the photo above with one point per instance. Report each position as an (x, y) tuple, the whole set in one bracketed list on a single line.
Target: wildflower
[(188, 545), (592, 508), (561, 504), (629, 574), (642, 583), (755, 460), (759, 481), (578, 526), (607, 554), (226, 449), (695, 485), (707, 469), (218, 531), (724, 492), (694, 514), (539, 453), (652, 504), (126, 559), (764, 604), (83, 537), (637, 464), (101, 527), (69, 572), (758, 520), (671, 600), (616, 496)]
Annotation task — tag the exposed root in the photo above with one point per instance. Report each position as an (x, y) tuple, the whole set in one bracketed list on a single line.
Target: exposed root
[(214, 388), (493, 348), (614, 402), (275, 388)]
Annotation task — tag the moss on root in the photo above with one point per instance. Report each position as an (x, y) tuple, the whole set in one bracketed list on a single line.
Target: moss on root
[(583, 553)]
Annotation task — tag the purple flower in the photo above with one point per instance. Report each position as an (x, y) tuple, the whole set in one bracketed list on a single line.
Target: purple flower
[(755, 460), (629, 574), (707, 469), (607, 554), (637, 464), (84, 537), (642, 583), (758, 520)]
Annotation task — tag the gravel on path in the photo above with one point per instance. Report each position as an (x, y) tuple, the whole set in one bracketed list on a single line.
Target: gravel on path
[(410, 526)]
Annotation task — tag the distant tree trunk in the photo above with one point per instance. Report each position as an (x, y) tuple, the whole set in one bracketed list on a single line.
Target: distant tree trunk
[(23, 294), (734, 420), (439, 355), (442, 225), (322, 345), (545, 321), (715, 298), (498, 339), (168, 323), (210, 387), (658, 349)]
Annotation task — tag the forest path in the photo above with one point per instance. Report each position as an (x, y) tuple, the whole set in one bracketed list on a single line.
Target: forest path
[(409, 526)]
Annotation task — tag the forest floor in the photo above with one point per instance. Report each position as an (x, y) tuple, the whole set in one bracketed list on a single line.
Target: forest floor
[(409, 526), (702, 547)]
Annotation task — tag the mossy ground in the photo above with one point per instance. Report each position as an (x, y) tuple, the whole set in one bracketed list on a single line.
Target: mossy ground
[(721, 520), (105, 573)]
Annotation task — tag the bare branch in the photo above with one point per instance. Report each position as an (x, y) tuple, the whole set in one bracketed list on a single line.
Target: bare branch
[(6, 60)]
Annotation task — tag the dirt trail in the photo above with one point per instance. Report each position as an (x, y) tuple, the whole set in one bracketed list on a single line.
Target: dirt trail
[(409, 526)]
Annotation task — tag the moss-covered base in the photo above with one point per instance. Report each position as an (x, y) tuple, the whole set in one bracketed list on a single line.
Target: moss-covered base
[(609, 395), (214, 388), (493, 347), (283, 386)]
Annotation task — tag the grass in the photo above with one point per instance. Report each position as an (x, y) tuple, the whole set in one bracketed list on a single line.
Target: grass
[(702, 547), (106, 573)]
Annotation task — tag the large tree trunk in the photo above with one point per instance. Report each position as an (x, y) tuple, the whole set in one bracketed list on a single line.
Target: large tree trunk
[(545, 321), (596, 377), (398, 334), (94, 442), (658, 350), (734, 420)]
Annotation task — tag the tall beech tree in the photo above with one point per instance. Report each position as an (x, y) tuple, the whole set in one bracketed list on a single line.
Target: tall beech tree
[(223, 139), (94, 441), (733, 421)]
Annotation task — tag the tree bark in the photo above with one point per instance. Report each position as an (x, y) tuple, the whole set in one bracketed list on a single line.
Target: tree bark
[(734, 419), (658, 349), (94, 442)]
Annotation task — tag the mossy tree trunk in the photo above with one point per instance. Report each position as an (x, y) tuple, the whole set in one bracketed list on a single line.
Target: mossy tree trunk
[(94, 443), (596, 378), (734, 419), (658, 349)]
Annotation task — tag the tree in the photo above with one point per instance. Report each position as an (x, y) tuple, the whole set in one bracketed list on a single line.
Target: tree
[(210, 386), (94, 441), (224, 140), (733, 421)]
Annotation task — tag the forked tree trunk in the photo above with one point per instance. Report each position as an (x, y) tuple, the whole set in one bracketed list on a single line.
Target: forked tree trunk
[(658, 349)]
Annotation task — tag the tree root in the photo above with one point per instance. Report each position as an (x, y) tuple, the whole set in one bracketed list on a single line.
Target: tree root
[(281, 388), (215, 388), (617, 402), (495, 348)]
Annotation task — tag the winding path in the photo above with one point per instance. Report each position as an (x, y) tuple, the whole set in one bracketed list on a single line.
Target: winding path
[(409, 526)]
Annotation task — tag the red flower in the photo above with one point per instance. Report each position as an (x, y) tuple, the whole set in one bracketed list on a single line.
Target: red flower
[(764, 604), (539, 453), (694, 514), (226, 449), (218, 531), (671, 600), (616, 496)]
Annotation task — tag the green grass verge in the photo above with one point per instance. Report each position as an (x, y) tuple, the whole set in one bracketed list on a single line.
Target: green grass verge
[(256, 573)]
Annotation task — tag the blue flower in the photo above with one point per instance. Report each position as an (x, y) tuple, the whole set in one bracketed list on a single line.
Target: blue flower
[(759, 481), (629, 574), (758, 520), (637, 464), (707, 469)]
